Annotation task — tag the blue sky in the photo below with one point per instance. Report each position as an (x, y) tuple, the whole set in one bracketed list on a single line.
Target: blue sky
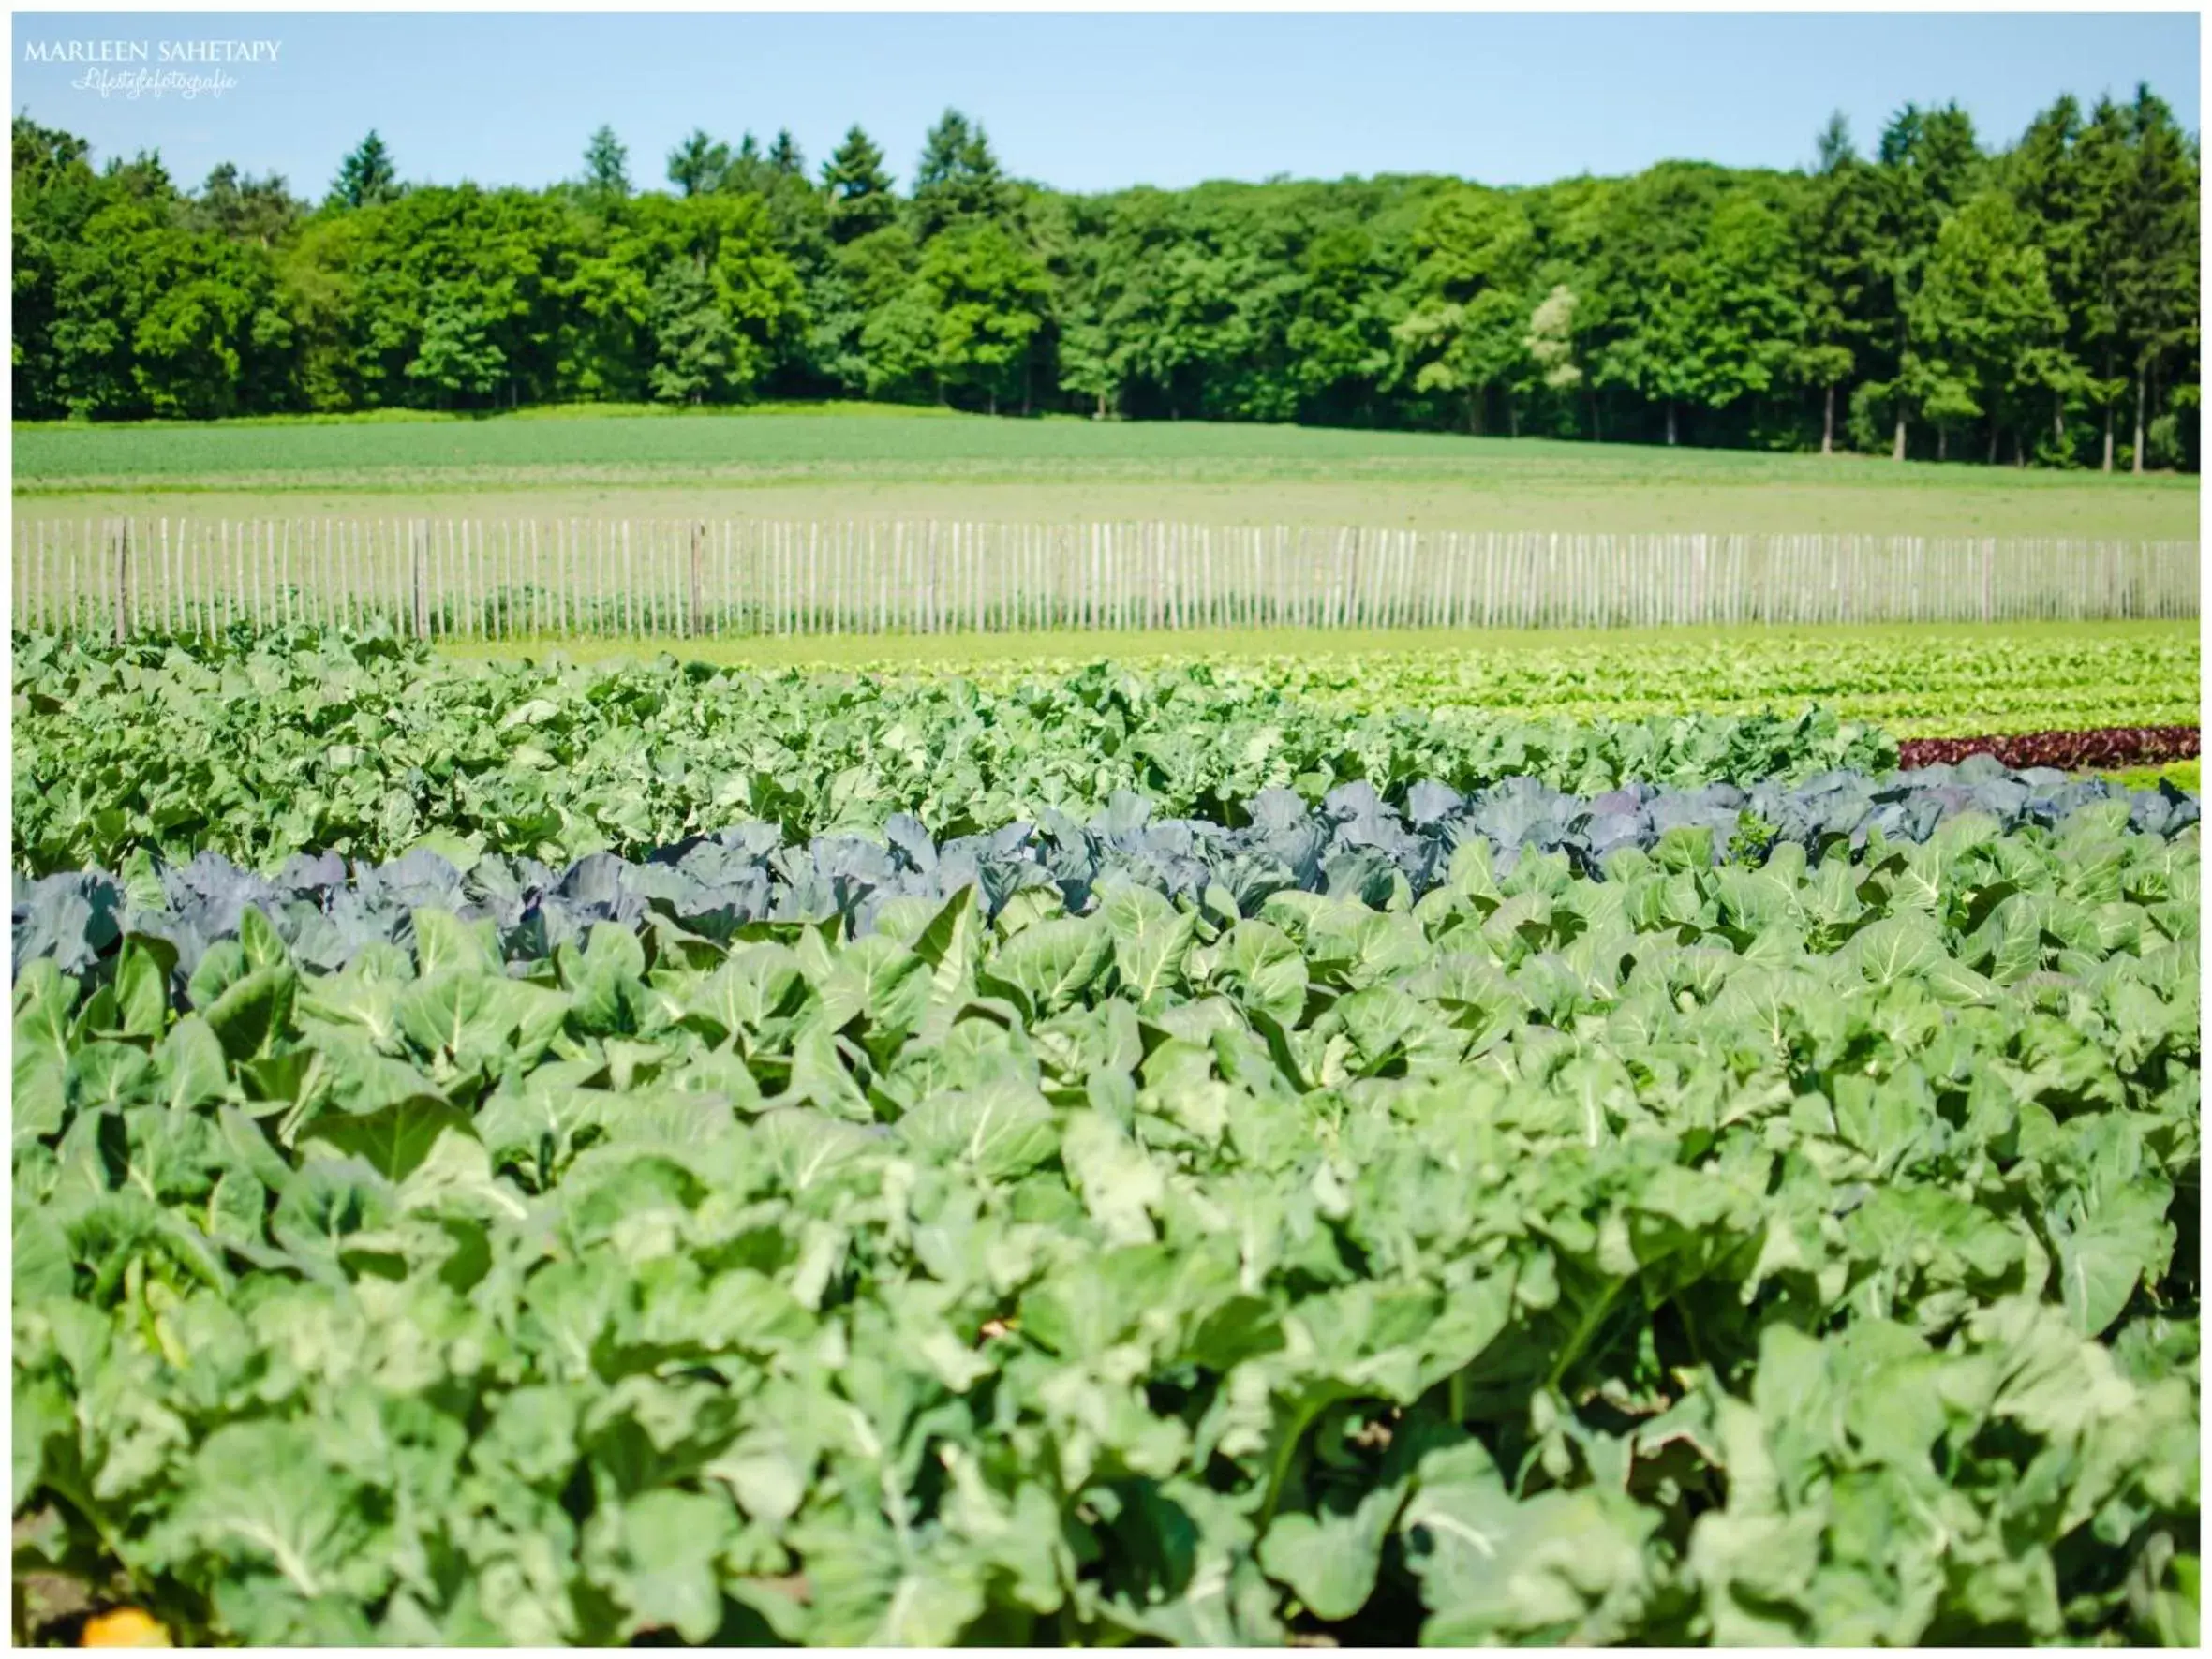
[(1099, 100)]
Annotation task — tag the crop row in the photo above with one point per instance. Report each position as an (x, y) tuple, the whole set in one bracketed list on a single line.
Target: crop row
[(1919, 683), (277, 745), (1354, 845), (2106, 748), (1798, 1251)]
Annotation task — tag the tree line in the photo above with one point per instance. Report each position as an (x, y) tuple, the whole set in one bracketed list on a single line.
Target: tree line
[(2034, 304)]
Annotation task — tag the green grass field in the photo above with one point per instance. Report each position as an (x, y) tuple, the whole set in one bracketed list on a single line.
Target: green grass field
[(865, 462)]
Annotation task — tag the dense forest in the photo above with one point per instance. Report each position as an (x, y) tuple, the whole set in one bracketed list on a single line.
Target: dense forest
[(2030, 304)]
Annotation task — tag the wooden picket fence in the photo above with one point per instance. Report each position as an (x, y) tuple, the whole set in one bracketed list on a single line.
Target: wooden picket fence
[(520, 578)]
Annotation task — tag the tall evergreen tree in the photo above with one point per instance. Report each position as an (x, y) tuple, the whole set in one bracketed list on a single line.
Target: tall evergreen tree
[(2045, 175), (958, 177), (1835, 234), (749, 172), (261, 211), (1926, 165), (606, 165), (698, 164), (2105, 163), (365, 177), (2159, 269), (860, 198)]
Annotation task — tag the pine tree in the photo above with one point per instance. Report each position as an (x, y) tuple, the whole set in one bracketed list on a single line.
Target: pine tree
[(860, 199), (784, 159), (606, 164), (943, 147), (2157, 276), (365, 176), (2045, 175), (1834, 238), (958, 177), (2105, 162), (699, 165), (244, 208), (748, 172), (1926, 165)]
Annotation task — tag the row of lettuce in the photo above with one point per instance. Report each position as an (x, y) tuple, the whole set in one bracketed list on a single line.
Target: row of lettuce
[(1959, 681), (1786, 1248)]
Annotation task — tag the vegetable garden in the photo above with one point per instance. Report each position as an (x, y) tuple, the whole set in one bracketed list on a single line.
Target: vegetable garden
[(1239, 1153)]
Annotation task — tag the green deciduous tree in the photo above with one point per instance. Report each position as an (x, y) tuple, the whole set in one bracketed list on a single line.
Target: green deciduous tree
[(1093, 365), (1745, 321), (1890, 298), (1550, 339), (1657, 294), (987, 298), (1983, 323), (692, 338), (898, 346), (858, 280), (457, 355), (1340, 337), (131, 302), (1466, 332)]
